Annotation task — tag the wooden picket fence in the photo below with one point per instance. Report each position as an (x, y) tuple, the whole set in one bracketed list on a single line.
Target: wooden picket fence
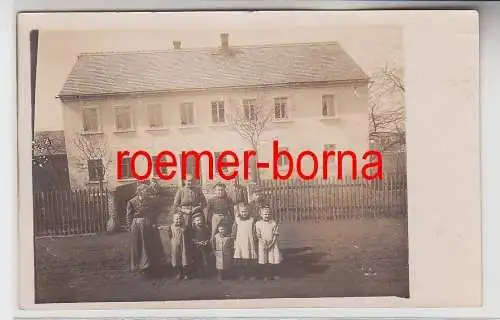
[(70, 212), (321, 200)]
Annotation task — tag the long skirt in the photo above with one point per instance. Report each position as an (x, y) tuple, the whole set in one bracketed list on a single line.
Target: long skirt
[(146, 246)]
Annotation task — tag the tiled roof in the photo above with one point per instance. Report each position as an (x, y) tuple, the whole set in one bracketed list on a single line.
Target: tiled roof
[(191, 69), (49, 143)]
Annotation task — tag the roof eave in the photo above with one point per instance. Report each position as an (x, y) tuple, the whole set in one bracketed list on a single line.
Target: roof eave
[(76, 97)]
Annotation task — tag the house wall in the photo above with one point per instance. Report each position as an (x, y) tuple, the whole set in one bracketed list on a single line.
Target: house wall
[(306, 129)]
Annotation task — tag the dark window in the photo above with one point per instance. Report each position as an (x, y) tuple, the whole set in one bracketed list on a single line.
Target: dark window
[(96, 170), (164, 170), (126, 168)]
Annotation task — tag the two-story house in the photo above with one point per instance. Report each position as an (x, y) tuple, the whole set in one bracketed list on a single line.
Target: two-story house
[(181, 99)]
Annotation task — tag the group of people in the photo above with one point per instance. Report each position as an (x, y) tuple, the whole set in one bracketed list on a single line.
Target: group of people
[(214, 234)]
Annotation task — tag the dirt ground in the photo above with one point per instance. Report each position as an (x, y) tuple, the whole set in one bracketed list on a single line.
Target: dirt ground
[(332, 259)]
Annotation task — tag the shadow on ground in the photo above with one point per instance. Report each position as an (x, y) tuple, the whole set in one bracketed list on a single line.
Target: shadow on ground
[(334, 259)]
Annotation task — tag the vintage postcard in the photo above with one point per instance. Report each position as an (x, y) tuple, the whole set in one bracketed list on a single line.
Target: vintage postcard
[(264, 159)]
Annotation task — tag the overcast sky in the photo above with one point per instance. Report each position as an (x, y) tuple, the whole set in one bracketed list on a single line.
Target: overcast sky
[(371, 47)]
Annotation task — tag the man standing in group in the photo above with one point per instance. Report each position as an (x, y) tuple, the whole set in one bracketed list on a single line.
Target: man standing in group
[(189, 199)]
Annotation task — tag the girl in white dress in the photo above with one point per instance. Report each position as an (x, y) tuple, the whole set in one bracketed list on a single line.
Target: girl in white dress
[(243, 234), (267, 234)]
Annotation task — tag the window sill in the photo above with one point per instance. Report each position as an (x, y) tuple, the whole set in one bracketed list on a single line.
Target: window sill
[(282, 121), (90, 133), (217, 125), (158, 129), (127, 180), (125, 131), (189, 126), (329, 118)]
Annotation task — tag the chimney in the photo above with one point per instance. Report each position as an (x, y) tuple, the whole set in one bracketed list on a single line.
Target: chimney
[(224, 41), (177, 44)]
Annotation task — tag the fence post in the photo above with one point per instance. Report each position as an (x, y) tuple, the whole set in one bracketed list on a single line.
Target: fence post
[(112, 224)]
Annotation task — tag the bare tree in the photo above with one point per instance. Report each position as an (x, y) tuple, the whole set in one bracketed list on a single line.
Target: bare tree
[(93, 147), (387, 112), (250, 119)]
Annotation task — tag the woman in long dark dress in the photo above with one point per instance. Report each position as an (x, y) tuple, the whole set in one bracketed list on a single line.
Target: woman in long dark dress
[(147, 252)]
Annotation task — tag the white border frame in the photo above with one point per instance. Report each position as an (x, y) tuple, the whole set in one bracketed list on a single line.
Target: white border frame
[(490, 50)]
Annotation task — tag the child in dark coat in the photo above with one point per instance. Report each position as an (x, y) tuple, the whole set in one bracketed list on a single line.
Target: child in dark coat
[(201, 245)]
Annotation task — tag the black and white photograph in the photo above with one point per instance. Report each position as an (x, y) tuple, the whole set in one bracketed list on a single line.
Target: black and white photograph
[(239, 161), (105, 232)]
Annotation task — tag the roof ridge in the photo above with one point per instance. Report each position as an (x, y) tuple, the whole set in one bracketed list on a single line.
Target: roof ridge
[(203, 49)]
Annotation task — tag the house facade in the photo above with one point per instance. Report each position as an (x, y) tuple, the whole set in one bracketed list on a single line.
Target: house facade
[(187, 99)]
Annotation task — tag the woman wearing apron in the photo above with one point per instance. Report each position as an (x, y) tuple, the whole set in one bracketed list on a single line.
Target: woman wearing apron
[(188, 200), (146, 248)]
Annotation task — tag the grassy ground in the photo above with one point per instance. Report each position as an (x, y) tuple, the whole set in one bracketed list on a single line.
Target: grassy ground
[(332, 259)]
